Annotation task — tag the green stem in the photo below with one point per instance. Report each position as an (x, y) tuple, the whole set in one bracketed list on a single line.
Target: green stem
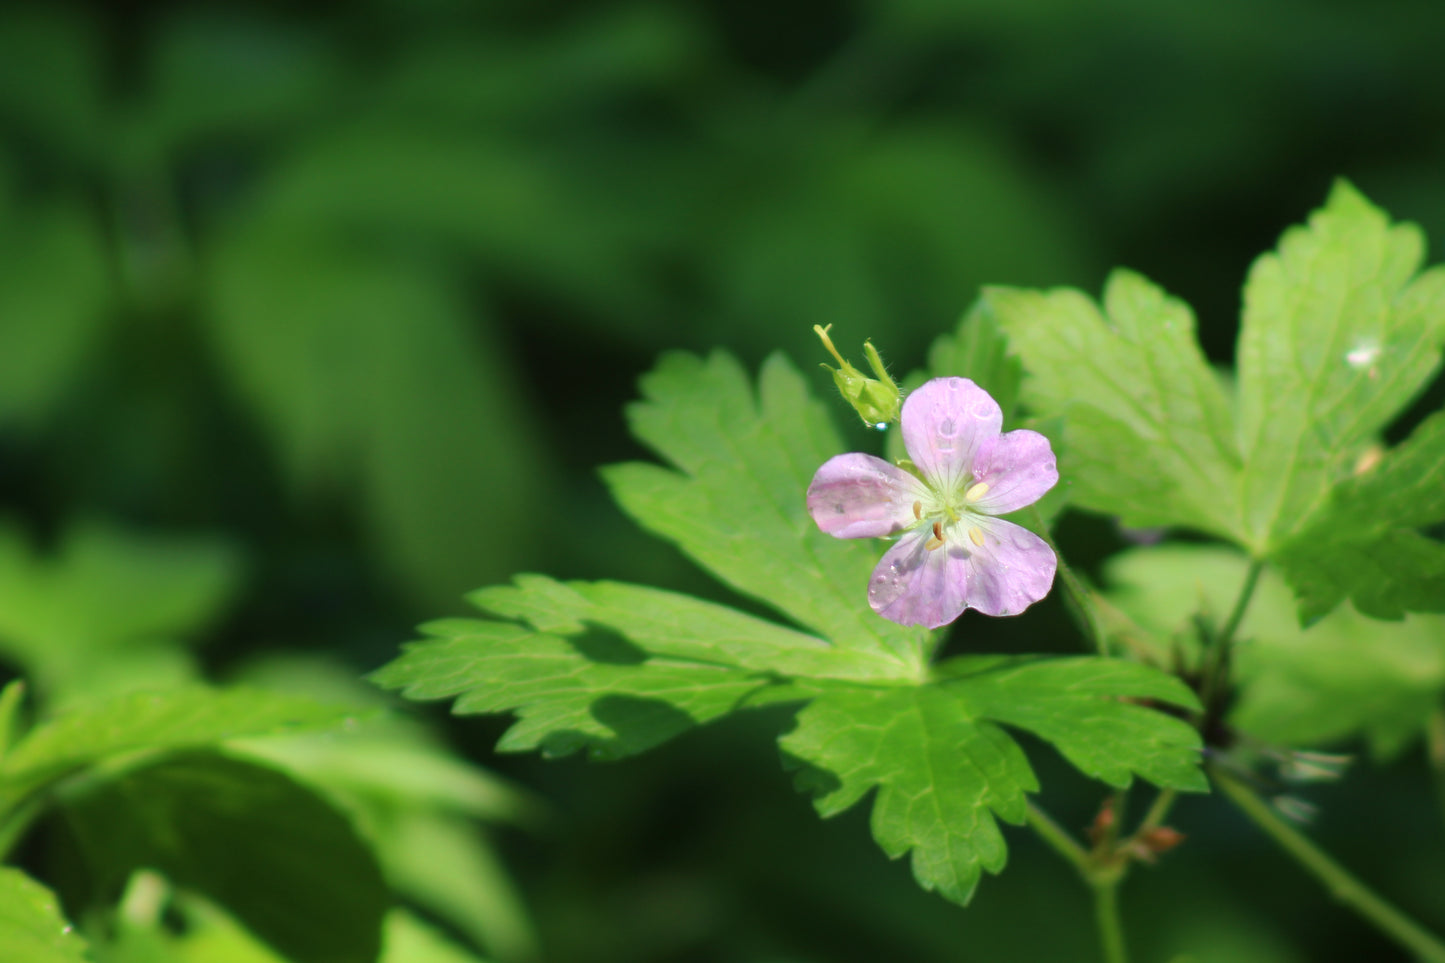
[(1081, 600), (1343, 886), (1106, 917), (1241, 605), (1059, 840), (1102, 878), (1217, 657), (1158, 812)]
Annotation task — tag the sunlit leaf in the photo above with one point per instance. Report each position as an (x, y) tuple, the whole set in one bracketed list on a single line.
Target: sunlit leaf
[(158, 721), (1340, 332), (1363, 544), (1148, 427), (617, 668), (611, 700), (944, 770), (735, 501), (31, 927)]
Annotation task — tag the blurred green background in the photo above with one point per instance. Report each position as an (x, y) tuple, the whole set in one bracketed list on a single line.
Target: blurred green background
[(315, 316)]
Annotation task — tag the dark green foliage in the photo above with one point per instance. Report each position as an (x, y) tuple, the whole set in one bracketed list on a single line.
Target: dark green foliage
[(274, 853)]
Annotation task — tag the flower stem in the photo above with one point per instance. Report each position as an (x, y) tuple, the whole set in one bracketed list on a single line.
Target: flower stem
[(1344, 887), (1158, 812), (1081, 600), (1102, 878), (1058, 839), (1106, 917)]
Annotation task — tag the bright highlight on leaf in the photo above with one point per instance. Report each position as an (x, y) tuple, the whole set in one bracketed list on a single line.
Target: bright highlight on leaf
[(952, 553), (1341, 331), (614, 669)]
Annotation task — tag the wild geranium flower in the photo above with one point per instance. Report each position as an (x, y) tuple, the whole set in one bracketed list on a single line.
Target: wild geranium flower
[(951, 552)]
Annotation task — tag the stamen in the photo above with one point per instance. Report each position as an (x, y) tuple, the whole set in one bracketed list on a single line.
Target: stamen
[(918, 510), (975, 492), (976, 536), (938, 530), (936, 542)]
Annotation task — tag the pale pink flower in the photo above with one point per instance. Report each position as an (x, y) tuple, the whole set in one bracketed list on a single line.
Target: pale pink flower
[(951, 553)]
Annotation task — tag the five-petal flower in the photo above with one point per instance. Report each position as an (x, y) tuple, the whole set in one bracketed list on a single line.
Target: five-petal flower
[(951, 553)]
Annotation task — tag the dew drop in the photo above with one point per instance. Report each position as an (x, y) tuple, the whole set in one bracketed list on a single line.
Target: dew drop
[(1364, 354)]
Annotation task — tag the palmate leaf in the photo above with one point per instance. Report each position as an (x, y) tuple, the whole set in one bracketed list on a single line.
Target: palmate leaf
[(614, 669), (1341, 330), (1362, 544), (943, 768), (735, 501), (1148, 425)]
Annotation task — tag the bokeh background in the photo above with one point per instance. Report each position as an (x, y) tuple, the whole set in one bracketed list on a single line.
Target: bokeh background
[(314, 316)]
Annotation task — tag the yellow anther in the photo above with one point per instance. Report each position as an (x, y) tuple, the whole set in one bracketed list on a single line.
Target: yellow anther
[(936, 541), (918, 510), (976, 536), (975, 492)]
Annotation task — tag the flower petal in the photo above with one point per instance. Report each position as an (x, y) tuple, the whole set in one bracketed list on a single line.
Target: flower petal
[(944, 423), (1018, 468), (860, 496), (1010, 571), (915, 586)]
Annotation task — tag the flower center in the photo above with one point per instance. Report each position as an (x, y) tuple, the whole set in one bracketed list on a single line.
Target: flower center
[(948, 511)]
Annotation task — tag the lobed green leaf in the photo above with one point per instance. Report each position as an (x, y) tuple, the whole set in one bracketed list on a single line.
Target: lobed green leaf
[(603, 695), (681, 626), (1340, 332), (1148, 426), (944, 769), (1362, 543), (616, 668), (736, 500), (979, 350)]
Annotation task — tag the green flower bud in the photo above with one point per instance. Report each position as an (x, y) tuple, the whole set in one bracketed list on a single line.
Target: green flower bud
[(877, 400)]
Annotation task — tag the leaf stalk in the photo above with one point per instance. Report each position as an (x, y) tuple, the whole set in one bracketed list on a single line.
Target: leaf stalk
[(1340, 883)]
